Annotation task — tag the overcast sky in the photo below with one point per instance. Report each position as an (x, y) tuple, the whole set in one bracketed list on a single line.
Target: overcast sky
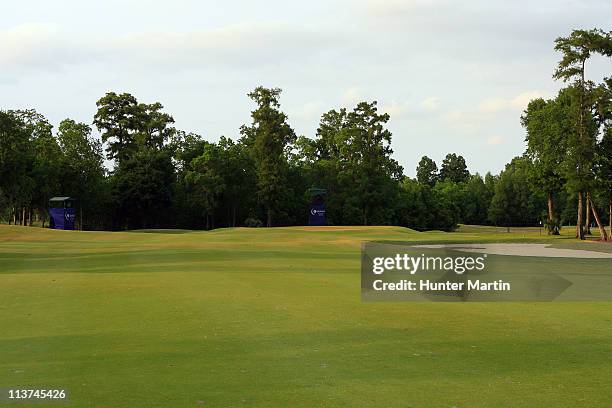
[(454, 76)]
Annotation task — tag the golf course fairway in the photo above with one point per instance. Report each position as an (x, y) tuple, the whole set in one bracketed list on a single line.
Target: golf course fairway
[(274, 318)]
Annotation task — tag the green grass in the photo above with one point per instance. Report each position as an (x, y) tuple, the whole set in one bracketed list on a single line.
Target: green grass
[(266, 318)]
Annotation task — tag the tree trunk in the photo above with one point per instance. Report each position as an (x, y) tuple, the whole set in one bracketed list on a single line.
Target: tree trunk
[(30, 216), (602, 230), (23, 216), (587, 228), (269, 220), (610, 214), (579, 230), (552, 227), (551, 210)]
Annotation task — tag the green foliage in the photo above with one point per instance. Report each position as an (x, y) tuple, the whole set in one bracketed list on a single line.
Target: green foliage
[(577, 48), (454, 169), (142, 189), (515, 202), (83, 173), (548, 123), (423, 208), (16, 160), (351, 158), (270, 138), (127, 125), (427, 171)]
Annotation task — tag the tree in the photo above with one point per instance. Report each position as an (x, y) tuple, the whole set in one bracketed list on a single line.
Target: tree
[(369, 166), (514, 202), (427, 171), (116, 119), (548, 123), (476, 200), (16, 158), (142, 188), (153, 125), (270, 138), (577, 49), (454, 168), (603, 154), (127, 125), (322, 160), (238, 170), (83, 171), (45, 171), (424, 208), (605, 169), (207, 181)]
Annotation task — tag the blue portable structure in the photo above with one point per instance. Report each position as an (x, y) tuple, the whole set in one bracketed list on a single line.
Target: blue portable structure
[(62, 213), (316, 216)]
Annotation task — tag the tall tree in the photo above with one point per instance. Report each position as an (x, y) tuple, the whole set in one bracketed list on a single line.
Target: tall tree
[(514, 202), (604, 169), (603, 155), (142, 188), (83, 171), (117, 119), (44, 170), (207, 181), (270, 138), (577, 48), (427, 171), (369, 163), (16, 156), (454, 168), (153, 125), (548, 123)]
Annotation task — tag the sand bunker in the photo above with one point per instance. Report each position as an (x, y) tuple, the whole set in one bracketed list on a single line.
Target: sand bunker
[(522, 250)]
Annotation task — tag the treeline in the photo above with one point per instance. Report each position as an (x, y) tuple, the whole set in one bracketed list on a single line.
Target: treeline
[(163, 177)]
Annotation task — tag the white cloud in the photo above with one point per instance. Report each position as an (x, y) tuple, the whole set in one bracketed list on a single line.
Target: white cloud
[(352, 96), (308, 112), (516, 103), (430, 104), (247, 43), (33, 45), (522, 100), (244, 45), (396, 109), (404, 110), (493, 105), (495, 140)]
